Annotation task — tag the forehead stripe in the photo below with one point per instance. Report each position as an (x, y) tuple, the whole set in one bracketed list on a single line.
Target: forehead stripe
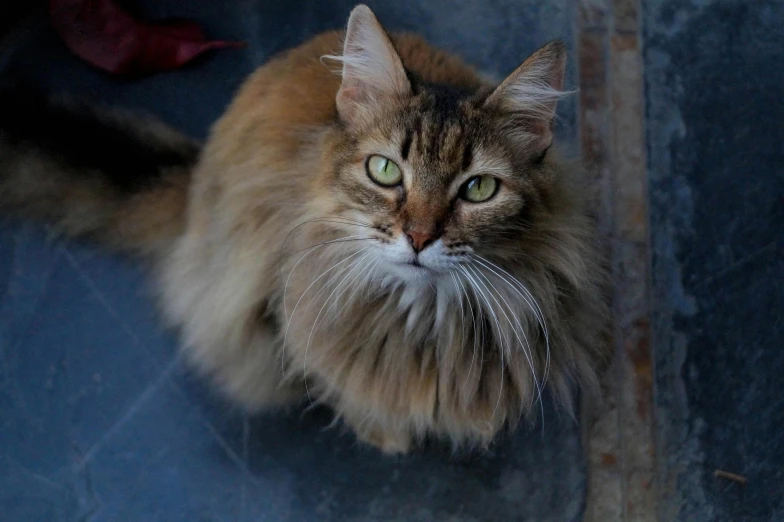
[(468, 155), (406, 146)]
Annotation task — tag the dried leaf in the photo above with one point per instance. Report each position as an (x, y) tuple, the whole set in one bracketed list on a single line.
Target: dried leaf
[(104, 35)]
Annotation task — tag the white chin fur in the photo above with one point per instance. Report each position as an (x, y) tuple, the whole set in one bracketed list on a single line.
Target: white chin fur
[(398, 267), (409, 273)]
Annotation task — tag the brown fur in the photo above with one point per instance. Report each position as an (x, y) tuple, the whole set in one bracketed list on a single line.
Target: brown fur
[(282, 172)]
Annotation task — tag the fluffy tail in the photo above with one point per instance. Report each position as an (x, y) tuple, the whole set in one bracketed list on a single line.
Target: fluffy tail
[(96, 173)]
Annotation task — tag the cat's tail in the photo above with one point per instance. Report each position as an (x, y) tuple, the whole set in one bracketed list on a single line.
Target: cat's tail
[(93, 172)]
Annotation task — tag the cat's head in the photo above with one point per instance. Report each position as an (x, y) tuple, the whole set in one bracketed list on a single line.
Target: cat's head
[(436, 173)]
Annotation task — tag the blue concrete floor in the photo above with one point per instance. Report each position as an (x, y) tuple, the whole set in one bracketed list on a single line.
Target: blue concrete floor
[(715, 78), (99, 420)]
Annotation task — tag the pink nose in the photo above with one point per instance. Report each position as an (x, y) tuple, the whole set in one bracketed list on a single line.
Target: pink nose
[(419, 240)]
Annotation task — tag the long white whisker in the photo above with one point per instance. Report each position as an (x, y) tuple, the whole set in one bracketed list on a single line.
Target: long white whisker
[(325, 272), (462, 312), (366, 284), (368, 269), (517, 320), (290, 317), (490, 308), (347, 239), (476, 333), (310, 250), (501, 332), (502, 337), (530, 300), (526, 346), (344, 218), (474, 328), (367, 257), (328, 284), (285, 288), (339, 221), (343, 221), (317, 320)]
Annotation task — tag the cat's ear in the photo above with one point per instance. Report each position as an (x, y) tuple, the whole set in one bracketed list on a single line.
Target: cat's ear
[(372, 70), (528, 97)]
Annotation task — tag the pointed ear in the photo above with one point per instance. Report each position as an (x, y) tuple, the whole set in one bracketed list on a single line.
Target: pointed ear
[(372, 70), (528, 97)]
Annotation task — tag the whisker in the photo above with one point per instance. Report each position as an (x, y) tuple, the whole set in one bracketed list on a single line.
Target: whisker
[(366, 283), (527, 352), (368, 270), (344, 218), (348, 239), (479, 333), (325, 272), (367, 257), (326, 286), (317, 320), (517, 320), (491, 311), (530, 300), (503, 335), (317, 220), (290, 317), (339, 221), (462, 311), (474, 328), (310, 249)]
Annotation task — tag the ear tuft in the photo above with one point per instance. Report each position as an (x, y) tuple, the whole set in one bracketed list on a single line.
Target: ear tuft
[(531, 93), (372, 70)]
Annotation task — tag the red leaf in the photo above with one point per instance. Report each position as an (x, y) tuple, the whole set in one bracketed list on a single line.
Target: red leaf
[(103, 34)]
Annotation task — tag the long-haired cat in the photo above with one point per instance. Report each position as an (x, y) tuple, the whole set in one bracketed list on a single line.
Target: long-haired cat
[(380, 230)]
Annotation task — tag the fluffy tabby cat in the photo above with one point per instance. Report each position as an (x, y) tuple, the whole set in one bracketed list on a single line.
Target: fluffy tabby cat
[(399, 240)]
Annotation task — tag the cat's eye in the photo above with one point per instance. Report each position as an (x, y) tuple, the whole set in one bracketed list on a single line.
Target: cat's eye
[(383, 171), (479, 188)]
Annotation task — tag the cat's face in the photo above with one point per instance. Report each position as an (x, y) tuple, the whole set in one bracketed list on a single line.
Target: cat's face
[(432, 176), (436, 180)]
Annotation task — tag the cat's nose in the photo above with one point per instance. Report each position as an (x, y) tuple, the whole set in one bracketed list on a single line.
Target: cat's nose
[(419, 240)]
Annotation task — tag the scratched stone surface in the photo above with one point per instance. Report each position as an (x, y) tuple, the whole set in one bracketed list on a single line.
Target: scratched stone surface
[(714, 78), (98, 418)]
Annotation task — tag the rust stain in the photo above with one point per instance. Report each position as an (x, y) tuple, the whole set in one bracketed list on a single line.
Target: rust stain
[(639, 352), (624, 42), (593, 146), (608, 459), (592, 59)]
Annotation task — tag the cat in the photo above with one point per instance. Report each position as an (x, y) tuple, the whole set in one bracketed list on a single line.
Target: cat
[(381, 230)]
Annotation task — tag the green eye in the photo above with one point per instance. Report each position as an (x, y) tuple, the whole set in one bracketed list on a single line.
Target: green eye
[(479, 188), (383, 171)]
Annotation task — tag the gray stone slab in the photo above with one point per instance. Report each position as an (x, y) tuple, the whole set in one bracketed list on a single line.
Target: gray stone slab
[(715, 73)]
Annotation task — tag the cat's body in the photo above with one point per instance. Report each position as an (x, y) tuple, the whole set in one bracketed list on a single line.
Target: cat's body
[(406, 307)]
